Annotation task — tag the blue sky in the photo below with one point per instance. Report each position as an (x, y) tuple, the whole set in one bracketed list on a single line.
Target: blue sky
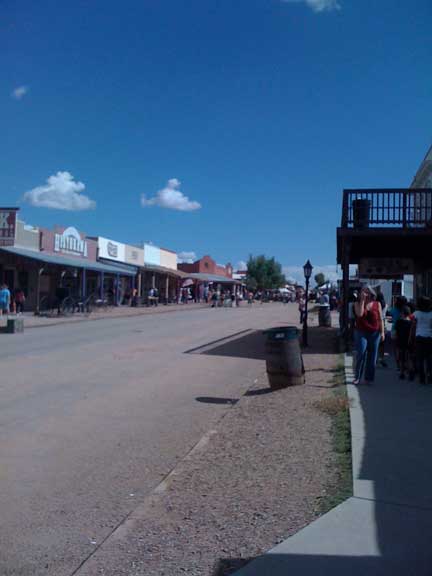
[(258, 111)]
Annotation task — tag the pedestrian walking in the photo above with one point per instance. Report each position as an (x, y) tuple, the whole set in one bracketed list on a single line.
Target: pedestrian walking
[(351, 315), (19, 299), (250, 298), (369, 329), (5, 299), (302, 308), (395, 313), (381, 349), (405, 343), (422, 329), (214, 299)]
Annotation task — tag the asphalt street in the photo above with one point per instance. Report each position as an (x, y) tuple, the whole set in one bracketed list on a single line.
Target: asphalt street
[(94, 415)]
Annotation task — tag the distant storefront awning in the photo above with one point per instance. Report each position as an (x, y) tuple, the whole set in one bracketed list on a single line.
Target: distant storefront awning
[(70, 262), (215, 278), (120, 266), (163, 270)]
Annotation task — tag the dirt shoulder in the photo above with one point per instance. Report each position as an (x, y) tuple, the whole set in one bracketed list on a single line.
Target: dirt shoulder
[(254, 480)]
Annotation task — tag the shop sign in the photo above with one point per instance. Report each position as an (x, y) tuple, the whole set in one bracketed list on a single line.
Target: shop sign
[(384, 267), (70, 242), (111, 250), (134, 255), (7, 226)]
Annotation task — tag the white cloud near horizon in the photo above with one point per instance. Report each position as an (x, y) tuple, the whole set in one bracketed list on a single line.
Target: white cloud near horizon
[(60, 192), (19, 92), (330, 271), (318, 5), (241, 265), (187, 257), (172, 198)]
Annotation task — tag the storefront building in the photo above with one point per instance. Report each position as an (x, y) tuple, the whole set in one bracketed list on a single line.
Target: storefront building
[(15, 271), (124, 282), (52, 265), (205, 274), (423, 206), (160, 271)]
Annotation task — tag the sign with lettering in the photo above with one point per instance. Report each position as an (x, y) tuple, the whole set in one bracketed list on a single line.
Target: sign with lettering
[(134, 255), (111, 250), (385, 267), (7, 226), (70, 242)]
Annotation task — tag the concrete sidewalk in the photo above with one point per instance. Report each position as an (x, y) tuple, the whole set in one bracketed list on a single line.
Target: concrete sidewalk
[(385, 528), (32, 321)]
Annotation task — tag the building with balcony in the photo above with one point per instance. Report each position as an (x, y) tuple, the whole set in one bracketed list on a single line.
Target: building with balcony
[(388, 234)]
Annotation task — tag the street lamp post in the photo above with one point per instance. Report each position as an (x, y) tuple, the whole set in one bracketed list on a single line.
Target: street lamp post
[(307, 269)]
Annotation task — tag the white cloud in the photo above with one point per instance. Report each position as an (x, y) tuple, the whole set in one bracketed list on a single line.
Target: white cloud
[(171, 197), (187, 257), (319, 5), (19, 92), (330, 271), (241, 265), (62, 192)]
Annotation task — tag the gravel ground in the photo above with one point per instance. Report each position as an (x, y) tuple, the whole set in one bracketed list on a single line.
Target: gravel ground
[(253, 481)]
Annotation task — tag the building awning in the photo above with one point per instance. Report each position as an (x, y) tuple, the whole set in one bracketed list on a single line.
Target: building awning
[(69, 262), (163, 270), (122, 268), (212, 278)]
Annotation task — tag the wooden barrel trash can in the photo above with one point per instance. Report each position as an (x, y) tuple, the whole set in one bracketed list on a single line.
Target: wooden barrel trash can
[(284, 360)]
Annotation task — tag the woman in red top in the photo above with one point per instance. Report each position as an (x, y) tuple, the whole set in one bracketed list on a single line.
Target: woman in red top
[(369, 331)]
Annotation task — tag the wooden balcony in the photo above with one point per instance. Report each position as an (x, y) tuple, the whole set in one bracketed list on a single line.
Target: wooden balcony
[(399, 208), (385, 223)]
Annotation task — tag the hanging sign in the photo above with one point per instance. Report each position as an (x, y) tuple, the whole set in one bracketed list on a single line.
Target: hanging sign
[(7, 226), (383, 267)]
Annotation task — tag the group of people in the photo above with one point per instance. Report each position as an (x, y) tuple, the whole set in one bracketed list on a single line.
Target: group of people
[(224, 298), (11, 302), (411, 335)]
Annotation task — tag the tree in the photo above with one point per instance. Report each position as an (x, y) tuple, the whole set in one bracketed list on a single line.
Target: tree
[(264, 273), (320, 279), (251, 284)]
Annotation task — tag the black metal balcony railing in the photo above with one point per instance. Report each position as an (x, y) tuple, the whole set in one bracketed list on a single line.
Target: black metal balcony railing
[(387, 208)]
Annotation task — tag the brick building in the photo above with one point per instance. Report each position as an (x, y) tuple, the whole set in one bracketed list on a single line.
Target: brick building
[(207, 265)]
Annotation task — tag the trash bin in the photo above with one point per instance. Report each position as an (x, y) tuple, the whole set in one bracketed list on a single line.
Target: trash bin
[(324, 316), (361, 211), (14, 325), (284, 361)]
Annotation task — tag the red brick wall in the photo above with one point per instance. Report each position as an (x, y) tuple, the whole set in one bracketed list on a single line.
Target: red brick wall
[(206, 265)]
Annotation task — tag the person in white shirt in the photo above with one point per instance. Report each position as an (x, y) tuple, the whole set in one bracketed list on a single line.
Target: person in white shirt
[(423, 339)]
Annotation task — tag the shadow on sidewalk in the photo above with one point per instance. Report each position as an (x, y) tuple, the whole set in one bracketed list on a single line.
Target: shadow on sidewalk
[(322, 341), (252, 345), (385, 528), (319, 565)]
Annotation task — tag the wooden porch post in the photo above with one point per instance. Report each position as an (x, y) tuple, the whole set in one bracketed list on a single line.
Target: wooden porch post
[(345, 282), (83, 283), (40, 272)]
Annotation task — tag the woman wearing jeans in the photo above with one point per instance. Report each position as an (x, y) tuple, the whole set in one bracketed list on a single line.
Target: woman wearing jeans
[(369, 332)]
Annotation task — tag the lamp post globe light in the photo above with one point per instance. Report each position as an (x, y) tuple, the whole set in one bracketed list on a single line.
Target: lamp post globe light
[(307, 269)]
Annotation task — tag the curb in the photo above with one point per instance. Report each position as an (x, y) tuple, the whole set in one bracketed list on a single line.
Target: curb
[(95, 318)]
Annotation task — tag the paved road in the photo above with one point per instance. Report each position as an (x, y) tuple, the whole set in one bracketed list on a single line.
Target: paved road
[(94, 415)]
